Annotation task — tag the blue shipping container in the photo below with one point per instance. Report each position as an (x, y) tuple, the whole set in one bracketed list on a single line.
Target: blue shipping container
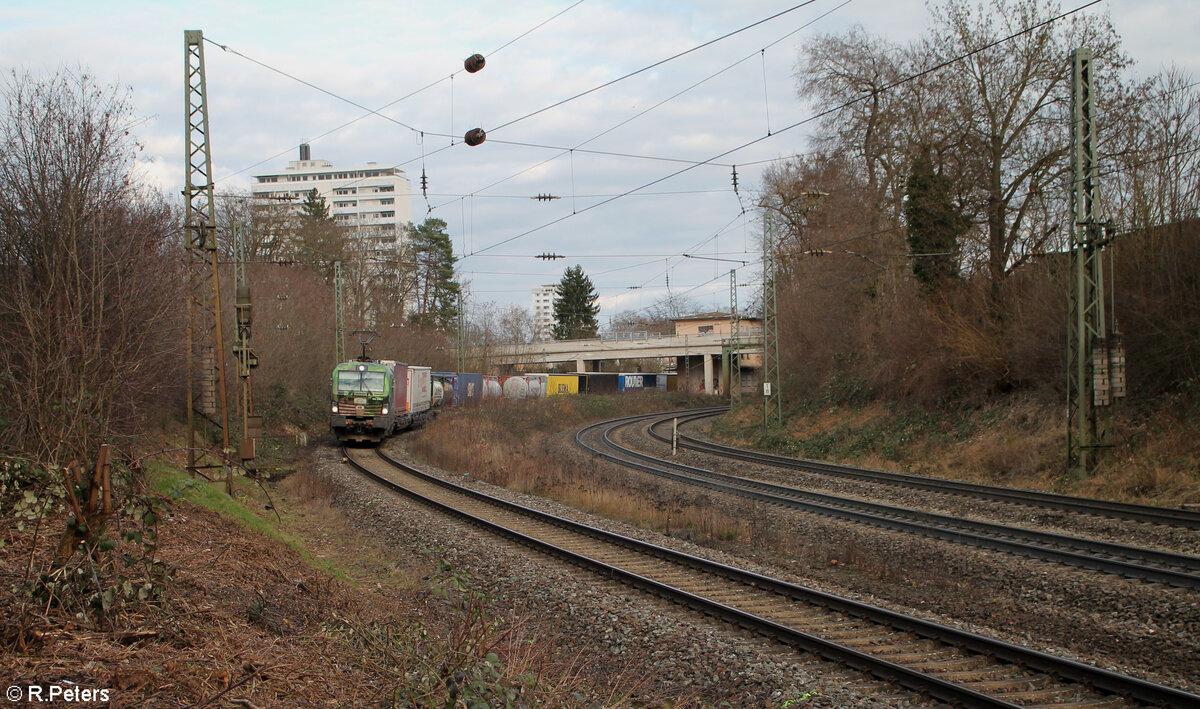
[(634, 382), (468, 389)]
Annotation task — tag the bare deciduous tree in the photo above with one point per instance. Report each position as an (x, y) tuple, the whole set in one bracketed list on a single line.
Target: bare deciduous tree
[(88, 282)]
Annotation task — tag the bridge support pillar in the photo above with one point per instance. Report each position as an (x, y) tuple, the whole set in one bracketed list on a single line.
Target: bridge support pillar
[(583, 365), (708, 374)]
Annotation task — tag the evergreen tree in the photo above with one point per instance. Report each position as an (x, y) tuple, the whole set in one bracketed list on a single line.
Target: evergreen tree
[(934, 222), (315, 207), (575, 306), (435, 290), (319, 241)]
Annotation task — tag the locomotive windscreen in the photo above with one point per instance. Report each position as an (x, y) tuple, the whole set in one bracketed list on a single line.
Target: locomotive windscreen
[(361, 383)]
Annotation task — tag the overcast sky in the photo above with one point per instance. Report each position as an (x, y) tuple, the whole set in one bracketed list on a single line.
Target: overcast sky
[(538, 53)]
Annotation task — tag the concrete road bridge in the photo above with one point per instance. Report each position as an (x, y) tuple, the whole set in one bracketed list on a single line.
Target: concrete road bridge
[(700, 360)]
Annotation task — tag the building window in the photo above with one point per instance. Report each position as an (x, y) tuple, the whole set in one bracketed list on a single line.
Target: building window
[(387, 188), (387, 201), (704, 329)]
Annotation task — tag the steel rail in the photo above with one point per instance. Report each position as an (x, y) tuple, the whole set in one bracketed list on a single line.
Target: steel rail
[(1028, 498), (1183, 570), (1095, 677)]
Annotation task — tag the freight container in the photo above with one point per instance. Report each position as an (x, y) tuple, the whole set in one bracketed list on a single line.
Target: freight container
[(399, 386), (634, 382), (418, 389), (447, 379), (491, 387), (563, 384), (537, 385), (601, 383), (468, 389), (515, 387)]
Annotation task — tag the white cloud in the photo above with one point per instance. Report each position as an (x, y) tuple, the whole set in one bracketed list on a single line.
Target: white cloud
[(375, 52)]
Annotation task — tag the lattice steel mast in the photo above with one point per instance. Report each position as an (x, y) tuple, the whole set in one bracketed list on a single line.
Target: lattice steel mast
[(206, 361), (1095, 362), (735, 344), (339, 316), (772, 403), (246, 359)]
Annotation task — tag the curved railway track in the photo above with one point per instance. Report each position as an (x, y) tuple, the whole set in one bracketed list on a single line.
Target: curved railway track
[(1030, 498), (1170, 568), (944, 663)]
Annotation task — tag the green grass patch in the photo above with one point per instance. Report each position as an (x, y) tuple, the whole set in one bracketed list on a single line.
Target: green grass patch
[(896, 436), (174, 485)]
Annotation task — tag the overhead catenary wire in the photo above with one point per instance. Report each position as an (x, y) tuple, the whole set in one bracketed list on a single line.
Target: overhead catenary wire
[(375, 112), (712, 162), (579, 147), (816, 116), (627, 155), (651, 66)]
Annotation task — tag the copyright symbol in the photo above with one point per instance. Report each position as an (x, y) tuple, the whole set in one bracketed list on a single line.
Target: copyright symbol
[(14, 694)]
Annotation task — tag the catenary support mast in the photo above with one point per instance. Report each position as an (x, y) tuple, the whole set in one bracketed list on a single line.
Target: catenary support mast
[(1095, 358), (772, 404), (206, 362)]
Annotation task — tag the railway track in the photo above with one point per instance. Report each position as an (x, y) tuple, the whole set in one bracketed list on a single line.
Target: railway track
[(943, 663), (1189, 519), (1179, 570)]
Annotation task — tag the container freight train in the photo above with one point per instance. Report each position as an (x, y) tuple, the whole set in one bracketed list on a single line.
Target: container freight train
[(374, 399)]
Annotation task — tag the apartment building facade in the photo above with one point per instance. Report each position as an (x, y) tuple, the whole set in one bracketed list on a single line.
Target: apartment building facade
[(374, 203), (543, 312)]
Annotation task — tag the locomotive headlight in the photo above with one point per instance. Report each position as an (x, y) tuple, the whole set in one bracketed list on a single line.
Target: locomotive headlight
[(335, 408), (384, 412)]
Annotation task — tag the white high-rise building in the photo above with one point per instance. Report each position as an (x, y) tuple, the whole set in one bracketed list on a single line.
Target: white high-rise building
[(543, 312), (374, 202)]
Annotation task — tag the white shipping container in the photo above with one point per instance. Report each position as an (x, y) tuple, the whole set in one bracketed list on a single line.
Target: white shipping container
[(419, 389)]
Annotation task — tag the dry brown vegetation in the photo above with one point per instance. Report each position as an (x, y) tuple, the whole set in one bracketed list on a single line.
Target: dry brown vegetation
[(245, 618), (89, 336), (922, 246), (526, 446), (1018, 442)]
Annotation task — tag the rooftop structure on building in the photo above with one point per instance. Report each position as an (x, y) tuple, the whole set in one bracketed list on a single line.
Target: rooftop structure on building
[(373, 202)]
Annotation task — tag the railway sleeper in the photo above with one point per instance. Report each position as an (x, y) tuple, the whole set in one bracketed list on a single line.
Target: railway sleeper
[(820, 624), (841, 634), (754, 605), (916, 647), (871, 640), (1099, 703), (1054, 696), (727, 596), (998, 675), (949, 661)]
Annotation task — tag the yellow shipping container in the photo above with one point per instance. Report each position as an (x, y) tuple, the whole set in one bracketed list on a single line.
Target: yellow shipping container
[(563, 384)]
